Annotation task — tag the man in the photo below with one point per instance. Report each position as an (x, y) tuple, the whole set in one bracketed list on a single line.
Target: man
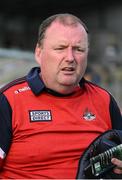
[(49, 117)]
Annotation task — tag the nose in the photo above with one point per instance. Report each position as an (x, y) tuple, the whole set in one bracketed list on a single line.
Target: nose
[(70, 55)]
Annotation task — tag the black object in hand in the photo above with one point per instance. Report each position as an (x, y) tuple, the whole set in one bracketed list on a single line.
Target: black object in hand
[(102, 162)]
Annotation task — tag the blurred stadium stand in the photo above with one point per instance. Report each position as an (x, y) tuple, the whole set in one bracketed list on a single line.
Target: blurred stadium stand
[(19, 22)]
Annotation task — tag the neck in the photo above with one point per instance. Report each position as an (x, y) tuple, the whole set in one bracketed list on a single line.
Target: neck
[(64, 90), (59, 88), (55, 93)]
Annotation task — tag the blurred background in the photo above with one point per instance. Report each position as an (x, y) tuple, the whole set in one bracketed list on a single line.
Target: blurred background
[(19, 23)]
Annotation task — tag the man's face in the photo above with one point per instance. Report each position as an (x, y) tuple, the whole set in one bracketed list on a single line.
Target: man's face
[(63, 55)]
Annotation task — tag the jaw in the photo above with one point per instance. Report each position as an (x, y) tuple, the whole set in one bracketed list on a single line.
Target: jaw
[(67, 79)]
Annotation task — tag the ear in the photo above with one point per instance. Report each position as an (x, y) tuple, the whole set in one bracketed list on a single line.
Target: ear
[(38, 53)]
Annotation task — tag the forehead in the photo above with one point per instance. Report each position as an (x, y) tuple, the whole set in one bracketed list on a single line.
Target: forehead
[(59, 30)]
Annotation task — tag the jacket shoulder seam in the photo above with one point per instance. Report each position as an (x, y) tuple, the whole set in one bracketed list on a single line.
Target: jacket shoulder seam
[(12, 83)]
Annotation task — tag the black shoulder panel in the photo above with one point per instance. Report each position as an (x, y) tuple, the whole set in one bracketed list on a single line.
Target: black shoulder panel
[(116, 117), (6, 116), (5, 123)]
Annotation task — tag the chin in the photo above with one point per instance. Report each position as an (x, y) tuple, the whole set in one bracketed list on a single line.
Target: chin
[(68, 80), (69, 83)]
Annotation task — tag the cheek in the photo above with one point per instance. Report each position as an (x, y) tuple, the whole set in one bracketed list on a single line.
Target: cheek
[(48, 65), (82, 64), (82, 60)]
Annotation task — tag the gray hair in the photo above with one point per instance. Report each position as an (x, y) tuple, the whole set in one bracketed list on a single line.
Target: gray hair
[(65, 19)]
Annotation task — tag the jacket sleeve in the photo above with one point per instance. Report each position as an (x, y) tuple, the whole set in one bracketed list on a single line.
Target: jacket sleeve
[(5, 127), (116, 116)]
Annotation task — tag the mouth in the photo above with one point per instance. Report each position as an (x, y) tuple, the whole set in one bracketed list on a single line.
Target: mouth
[(68, 70)]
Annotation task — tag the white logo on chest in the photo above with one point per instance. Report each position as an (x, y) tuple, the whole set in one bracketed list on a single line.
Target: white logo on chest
[(40, 115)]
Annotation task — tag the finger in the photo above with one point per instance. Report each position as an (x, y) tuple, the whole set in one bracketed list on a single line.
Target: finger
[(117, 162), (117, 171)]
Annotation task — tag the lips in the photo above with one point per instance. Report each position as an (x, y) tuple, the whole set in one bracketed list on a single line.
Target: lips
[(68, 69)]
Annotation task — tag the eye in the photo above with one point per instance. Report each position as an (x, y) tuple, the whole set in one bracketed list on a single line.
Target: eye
[(59, 48), (79, 49)]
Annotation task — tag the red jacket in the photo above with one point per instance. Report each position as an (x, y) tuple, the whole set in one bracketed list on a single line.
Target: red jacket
[(43, 133)]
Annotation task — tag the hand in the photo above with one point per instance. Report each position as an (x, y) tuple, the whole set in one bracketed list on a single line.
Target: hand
[(102, 143), (118, 163)]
